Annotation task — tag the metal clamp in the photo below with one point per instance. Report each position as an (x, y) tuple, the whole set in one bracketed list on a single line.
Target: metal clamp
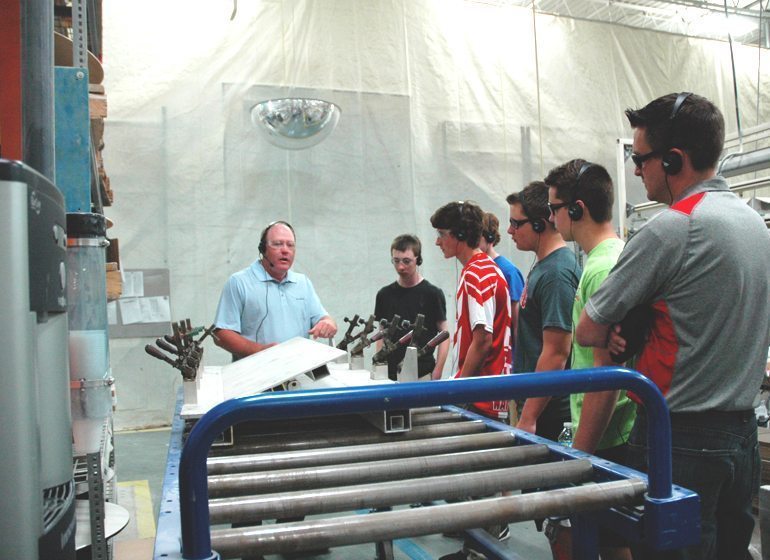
[(84, 384)]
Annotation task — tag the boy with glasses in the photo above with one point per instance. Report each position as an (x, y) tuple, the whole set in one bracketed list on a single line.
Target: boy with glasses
[(411, 295), (580, 198), (544, 333)]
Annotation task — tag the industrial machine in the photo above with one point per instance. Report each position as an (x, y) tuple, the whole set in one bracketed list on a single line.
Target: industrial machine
[(36, 485), (303, 458)]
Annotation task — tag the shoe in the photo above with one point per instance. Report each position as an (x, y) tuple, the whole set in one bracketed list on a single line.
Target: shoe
[(464, 554), (454, 535), (459, 555), (505, 533)]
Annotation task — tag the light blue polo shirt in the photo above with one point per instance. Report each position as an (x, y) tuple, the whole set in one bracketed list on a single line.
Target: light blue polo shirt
[(264, 310)]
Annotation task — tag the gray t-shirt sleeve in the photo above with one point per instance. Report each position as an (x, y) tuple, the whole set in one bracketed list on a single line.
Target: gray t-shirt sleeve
[(648, 263)]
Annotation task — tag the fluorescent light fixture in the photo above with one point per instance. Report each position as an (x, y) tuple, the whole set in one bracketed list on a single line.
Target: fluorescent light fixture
[(295, 123), (718, 25)]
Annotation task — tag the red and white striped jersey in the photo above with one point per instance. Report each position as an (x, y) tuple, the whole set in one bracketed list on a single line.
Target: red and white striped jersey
[(482, 299)]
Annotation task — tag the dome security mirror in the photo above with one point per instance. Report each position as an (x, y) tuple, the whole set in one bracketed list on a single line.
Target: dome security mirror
[(295, 123)]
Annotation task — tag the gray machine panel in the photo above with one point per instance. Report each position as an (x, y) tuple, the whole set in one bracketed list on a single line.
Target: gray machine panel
[(34, 402), (47, 237)]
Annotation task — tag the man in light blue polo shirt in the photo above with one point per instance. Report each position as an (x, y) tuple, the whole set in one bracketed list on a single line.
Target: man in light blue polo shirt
[(268, 303)]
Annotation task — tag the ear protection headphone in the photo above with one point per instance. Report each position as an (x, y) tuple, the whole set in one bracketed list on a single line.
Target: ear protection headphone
[(672, 161), (538, 224), (459, 233), (419, 260), (263, 238), (489, 236), (574, 210)]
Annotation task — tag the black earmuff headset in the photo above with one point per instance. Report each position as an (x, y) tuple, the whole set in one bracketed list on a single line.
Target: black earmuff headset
[(459, 233), (263, 238), (574, 210), (538, 224), (489, 236), (672, 161), (419, 260)]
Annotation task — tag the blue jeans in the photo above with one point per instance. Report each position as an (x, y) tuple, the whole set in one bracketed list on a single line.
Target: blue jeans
[(715, 454)]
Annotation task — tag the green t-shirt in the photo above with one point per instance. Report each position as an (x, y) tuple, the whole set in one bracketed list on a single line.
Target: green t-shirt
[(598, 264)]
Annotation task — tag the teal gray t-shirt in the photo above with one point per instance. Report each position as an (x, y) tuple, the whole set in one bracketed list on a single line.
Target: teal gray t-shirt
[(546, 302)]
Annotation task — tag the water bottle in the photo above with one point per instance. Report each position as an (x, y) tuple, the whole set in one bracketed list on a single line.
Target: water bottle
[(565, 437), (762, 414)]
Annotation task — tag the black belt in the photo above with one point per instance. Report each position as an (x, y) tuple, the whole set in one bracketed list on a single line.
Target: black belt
[(742, 415)]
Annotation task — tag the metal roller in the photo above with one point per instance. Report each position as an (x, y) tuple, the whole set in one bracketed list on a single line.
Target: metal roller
[(288, 442), (436, 418), (385, 494), (358, 529), (373, 471), (426, 410), (359, 453)]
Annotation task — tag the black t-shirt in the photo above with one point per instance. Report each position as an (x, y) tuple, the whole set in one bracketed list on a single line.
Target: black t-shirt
[(424, 299)]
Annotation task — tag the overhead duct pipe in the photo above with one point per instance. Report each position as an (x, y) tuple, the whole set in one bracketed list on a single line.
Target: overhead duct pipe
[(739, 164)]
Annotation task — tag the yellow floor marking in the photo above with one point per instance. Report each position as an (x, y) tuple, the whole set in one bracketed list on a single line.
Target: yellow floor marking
[(145, 517)]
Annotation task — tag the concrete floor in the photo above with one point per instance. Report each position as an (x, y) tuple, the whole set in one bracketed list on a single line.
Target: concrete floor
[(140, 464)]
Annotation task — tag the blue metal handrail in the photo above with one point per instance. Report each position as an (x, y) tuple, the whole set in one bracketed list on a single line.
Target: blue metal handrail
[(193, 482)]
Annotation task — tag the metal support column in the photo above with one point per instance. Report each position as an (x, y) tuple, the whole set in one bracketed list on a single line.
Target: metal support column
[(99, 549), (38, 86)]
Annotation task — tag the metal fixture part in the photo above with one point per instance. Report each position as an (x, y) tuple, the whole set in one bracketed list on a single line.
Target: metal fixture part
[(182, 344)]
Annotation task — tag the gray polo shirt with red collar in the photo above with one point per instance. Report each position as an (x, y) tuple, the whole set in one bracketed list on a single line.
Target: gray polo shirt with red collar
[(704, 266)]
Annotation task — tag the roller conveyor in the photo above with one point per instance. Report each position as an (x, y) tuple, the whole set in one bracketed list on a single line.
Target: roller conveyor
[(334, 481)]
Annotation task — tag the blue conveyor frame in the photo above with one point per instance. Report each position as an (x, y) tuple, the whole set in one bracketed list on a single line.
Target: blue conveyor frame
[(670, 517)]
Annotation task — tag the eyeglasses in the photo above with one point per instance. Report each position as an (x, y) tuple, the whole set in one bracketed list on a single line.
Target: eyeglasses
[(278, 244), (441, 233), (516, 224), (406, 261), (556, 207), (639, 159)]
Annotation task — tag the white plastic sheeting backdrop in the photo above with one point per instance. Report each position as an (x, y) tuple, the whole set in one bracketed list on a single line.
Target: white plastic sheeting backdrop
[(441, 100)]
